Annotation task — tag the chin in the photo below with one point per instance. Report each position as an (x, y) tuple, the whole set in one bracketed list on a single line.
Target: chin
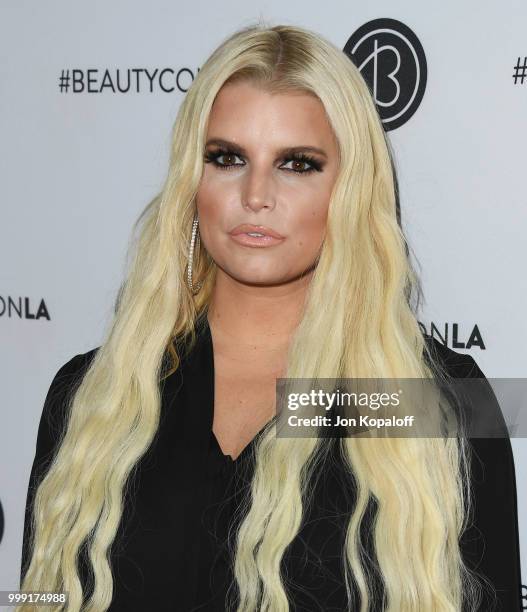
[(262, 278)]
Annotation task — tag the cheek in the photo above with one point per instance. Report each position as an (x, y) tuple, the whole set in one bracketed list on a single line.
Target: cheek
[(206, 197), (216, 196), (210, 204), (214, 203), (310, 226)]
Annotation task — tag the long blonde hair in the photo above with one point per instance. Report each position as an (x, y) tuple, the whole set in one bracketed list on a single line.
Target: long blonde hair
[(365, 329)]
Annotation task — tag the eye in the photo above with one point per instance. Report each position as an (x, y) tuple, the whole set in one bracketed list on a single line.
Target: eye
[(214, 156), (299, 161)]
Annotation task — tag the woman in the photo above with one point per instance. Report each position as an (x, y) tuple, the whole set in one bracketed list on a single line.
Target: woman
[(157, 462)]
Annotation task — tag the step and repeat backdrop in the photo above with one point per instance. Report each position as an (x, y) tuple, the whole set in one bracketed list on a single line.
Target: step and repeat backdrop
[(89, 92)]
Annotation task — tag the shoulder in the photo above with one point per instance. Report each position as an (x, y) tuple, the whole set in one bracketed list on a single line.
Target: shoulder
[(456, 365), (69, 373), (65, 380), (474, 395), (76, 364)]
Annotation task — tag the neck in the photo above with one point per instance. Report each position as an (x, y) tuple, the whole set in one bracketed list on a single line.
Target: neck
[(265, 316)]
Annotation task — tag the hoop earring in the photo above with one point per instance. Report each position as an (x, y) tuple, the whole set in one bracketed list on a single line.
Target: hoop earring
[(194, 238)]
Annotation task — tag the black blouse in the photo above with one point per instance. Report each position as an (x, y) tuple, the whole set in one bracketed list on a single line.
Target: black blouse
[(172, 549)]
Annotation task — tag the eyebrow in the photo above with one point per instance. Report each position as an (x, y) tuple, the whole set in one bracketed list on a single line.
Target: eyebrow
[(282, 152)]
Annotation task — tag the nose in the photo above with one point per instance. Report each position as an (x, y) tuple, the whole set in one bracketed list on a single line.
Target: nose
[(258, 190)]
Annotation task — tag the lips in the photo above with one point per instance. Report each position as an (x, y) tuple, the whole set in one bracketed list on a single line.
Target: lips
[(246, 228)]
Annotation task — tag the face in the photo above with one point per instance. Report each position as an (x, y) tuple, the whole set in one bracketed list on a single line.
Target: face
[(270, 161)]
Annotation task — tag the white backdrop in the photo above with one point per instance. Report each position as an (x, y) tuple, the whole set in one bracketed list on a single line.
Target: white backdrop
[(79, 166)]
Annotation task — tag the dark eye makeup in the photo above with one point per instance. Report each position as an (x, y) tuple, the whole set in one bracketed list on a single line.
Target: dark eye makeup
[(303, 158)]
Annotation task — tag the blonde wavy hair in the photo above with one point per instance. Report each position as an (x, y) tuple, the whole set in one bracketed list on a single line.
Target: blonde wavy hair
[(367, 329)]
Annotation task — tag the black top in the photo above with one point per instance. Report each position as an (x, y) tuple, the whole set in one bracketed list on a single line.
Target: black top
[(171, 549)]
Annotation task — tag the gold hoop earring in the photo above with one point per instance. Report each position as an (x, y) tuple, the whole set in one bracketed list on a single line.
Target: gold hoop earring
[(194, 241)]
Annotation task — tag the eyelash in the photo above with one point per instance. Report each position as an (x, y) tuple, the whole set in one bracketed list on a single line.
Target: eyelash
[(316, 166)]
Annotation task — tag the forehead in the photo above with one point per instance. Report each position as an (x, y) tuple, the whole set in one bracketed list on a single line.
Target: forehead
[(243, 109)]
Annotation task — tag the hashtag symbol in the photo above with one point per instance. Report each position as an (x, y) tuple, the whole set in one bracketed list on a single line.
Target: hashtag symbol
[(64, 80), (520, 71)]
